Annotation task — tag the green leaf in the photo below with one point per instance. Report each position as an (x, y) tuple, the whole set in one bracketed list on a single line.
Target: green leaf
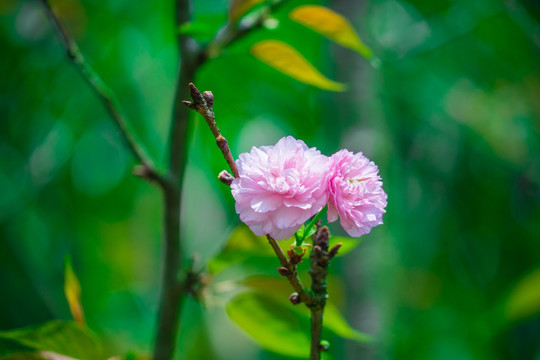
[(524, 299), (9, 347), (288, 61), (310, 228), (279, 290), (347, 244), (271, 324), (334, 321), (60, 337), (36, 355), (331, 25), (72, 290)]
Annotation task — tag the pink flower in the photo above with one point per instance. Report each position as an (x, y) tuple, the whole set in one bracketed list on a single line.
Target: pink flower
[(280, 187), (355, 193)]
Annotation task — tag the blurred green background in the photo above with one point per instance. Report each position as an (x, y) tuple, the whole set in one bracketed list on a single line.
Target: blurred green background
[(451, 117)]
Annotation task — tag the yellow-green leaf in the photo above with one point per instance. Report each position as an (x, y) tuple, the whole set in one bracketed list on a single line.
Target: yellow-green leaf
[(331, 25), (239, 8), (49, 341), (72, 290), (524, 299), (279, 290), (287, 60)]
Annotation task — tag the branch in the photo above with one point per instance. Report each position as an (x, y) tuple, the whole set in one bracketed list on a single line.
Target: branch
[(147, 168), (319, 259), (174, 291), (203, 103), (231, 32), (288, 270)]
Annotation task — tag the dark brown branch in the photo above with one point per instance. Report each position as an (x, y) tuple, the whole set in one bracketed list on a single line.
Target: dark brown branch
[(291, 274), (107, 96), (203, 103), (319, 259)]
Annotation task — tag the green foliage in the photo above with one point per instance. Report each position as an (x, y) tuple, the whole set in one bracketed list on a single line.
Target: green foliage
[(524, 298), (268, 317), (451, 118), (64, 338), (275, 326)]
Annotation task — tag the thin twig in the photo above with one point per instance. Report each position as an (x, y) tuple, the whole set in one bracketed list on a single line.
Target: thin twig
[(107, 96), (203, 104), (291, 274), (231, 32)]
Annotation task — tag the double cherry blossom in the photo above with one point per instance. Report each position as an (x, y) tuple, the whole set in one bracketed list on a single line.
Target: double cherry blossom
[(280, 187)]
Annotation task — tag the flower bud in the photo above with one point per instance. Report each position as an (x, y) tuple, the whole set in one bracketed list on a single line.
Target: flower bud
[(283, 271), (225, 177), (324, 345), (209, 98), (295, 298)]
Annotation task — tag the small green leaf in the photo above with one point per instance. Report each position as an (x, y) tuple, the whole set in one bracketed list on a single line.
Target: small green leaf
[(331, 25), (310, 228), (288, 61), (271, 324), (60, 337)]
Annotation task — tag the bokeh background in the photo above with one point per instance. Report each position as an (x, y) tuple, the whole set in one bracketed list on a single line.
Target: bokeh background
[(451, 116)]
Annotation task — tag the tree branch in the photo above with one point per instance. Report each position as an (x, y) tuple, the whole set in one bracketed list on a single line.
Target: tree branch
[(231, 32), (203, 103), (147, 169), (173, 291), (291, 274), (319, 259)]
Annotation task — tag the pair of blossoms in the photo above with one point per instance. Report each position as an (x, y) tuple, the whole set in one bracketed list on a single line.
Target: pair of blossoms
[(280, 187)]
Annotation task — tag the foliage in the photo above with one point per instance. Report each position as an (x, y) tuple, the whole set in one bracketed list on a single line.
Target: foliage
[(449, 114)]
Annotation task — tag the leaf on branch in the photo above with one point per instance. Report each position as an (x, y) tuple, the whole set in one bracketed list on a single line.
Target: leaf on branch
[(72, 290), (239, 8), (49, 341), (331, 25), (279, 290), (287, 60), (273, 325), (277, 325)]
